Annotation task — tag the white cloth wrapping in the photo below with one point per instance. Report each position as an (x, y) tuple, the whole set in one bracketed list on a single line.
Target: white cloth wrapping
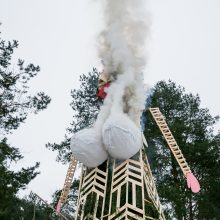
[(121, 137), (87, 147)]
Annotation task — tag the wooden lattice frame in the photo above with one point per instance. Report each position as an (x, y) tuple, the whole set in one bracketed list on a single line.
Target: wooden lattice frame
[(126, 188), (105, 183)]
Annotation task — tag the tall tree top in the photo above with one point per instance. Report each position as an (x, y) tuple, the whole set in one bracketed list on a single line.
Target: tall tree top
[(15, 100)]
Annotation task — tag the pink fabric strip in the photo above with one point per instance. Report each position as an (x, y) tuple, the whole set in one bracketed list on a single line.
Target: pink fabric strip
[(192, 183)]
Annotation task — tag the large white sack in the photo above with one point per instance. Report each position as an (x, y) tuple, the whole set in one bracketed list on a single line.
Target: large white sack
[(121, 137), (87, 147)]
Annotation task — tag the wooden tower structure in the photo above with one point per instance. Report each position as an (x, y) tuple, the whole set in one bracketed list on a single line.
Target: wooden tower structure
[(120, 189)]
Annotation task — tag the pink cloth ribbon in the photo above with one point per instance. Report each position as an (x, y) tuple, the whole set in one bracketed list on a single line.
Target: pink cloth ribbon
[(192, 183)]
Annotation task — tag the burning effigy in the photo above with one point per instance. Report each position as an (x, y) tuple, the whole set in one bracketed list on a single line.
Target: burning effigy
[(122, 44), (116, 132)]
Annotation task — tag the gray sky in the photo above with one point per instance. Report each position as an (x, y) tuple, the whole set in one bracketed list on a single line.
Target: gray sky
[(60, 36)]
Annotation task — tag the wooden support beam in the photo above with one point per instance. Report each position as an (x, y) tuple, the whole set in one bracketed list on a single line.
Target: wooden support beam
[(160, 121), (45, 202), (68, 180)]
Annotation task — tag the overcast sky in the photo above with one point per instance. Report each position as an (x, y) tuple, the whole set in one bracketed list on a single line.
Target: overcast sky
[(60, 36)]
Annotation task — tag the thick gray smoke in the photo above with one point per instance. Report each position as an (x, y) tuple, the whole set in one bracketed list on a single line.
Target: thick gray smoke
[(122, 47)]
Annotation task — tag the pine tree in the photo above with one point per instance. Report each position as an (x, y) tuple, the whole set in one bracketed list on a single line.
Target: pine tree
[(15, 104), (34, 208), (11, 181), (193, 129), (68, 208), (85, 107)]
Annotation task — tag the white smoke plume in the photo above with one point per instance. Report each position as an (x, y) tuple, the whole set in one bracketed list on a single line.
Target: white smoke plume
[(122, 47)]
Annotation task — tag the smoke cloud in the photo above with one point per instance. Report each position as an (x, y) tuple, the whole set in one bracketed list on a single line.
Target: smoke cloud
[(122, 47)]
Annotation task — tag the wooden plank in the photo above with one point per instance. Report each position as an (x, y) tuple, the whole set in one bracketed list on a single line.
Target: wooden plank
[(68, 180), (160, 121)]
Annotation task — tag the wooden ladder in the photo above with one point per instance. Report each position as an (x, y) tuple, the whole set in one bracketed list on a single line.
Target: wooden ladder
[(160, 121), (68, 180)]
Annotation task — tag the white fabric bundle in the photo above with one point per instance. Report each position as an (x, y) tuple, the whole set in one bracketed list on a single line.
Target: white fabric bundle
[(87, 147), (121, 137)]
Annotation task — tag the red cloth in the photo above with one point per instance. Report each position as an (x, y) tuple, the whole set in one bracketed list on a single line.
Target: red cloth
[(101, 91)]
